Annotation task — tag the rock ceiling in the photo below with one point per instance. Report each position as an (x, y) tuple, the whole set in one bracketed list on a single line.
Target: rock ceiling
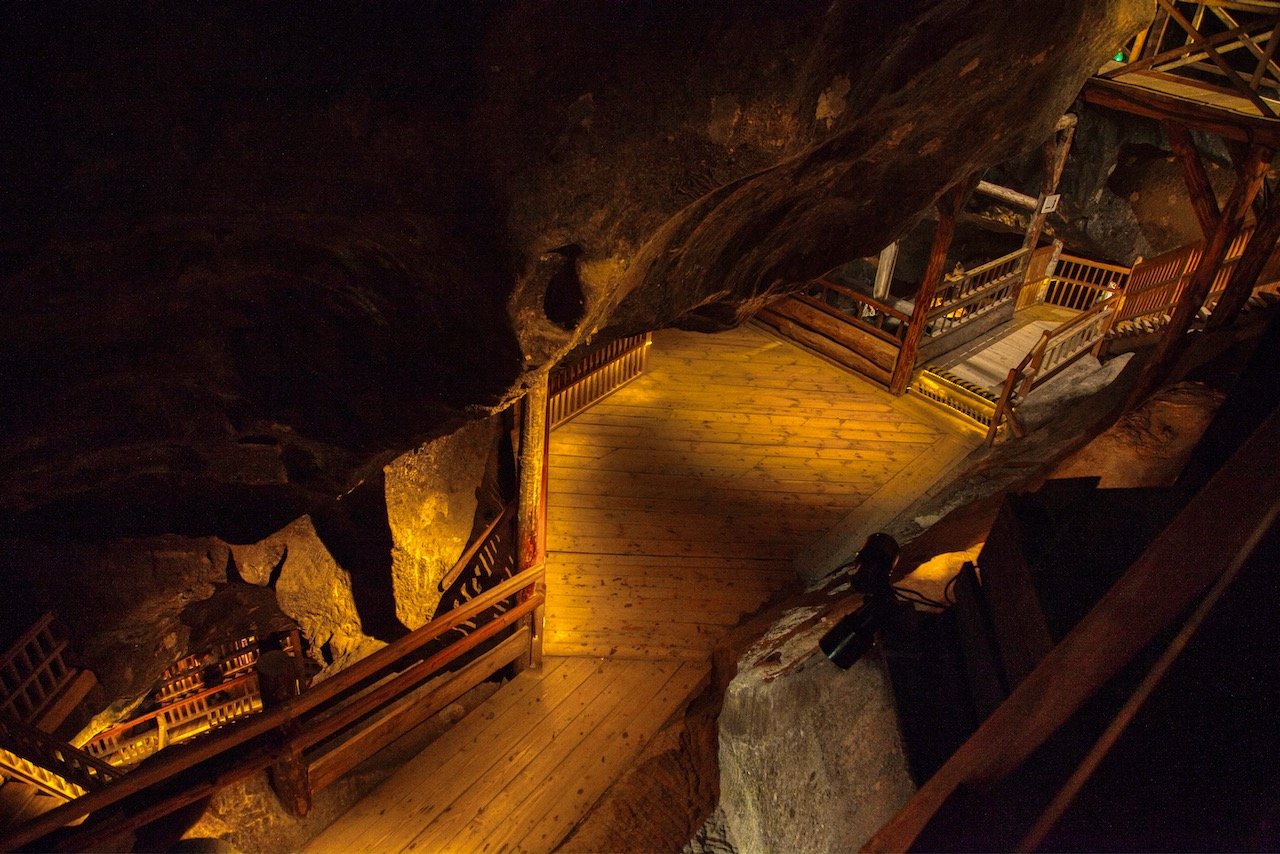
[(249, 256)]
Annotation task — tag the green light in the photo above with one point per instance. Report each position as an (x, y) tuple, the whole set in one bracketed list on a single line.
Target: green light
[(1119, 56)]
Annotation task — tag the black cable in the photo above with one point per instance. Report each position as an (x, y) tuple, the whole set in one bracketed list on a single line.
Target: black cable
[(915, 596)]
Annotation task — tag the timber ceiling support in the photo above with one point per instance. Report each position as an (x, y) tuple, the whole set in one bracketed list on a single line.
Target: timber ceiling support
[(1203, 201), (1245, 275)]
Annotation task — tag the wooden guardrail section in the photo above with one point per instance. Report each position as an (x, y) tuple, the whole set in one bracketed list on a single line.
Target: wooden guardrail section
[(313, 738), (52, 766), (866, 335), (598, 375), (1156, 285), (972, 303), (1080, 283)]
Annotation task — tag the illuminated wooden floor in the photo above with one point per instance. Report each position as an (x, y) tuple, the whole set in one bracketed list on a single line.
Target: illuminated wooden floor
[(678, 504), (520, 771)]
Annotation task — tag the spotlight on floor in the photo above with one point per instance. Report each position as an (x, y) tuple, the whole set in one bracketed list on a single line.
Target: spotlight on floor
[(846, 642)]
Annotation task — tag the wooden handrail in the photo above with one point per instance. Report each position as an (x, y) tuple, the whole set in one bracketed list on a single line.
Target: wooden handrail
[(221, 741), (472, 550), (1201, 545), (137, 723), (375, 699), (1089, 262), (863, 298)]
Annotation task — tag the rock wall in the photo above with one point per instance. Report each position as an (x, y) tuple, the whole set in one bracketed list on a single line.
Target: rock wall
[(431, 508)]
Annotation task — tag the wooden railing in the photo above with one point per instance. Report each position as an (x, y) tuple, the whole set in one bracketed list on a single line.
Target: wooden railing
[(187, 676), (130, 742), (962, 299), (596, 376), (1156, 285), (34, 672), (1079, 283), (332, 726), (1056, 350), (874, 316)]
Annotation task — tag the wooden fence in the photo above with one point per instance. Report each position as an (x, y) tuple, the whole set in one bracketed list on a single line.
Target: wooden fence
[(970, 304), (596, 376)]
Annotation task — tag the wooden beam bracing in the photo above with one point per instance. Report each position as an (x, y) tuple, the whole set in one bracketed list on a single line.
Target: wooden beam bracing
[(1245, 275), (1199, 188), (949, 203), (1193, 296)]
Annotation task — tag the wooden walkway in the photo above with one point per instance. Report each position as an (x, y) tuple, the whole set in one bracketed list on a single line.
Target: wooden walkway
[(676, 507), (520, 771), (678, 504)]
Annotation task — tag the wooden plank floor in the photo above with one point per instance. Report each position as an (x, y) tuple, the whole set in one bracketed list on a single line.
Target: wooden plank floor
[(678, 504), (520, 771)]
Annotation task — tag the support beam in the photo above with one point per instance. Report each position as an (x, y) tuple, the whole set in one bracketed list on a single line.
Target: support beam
[(1007, 195), (1056, 149), (1203, 200), (1174, 341), (531, 510), (948, 204), (1245, 275)]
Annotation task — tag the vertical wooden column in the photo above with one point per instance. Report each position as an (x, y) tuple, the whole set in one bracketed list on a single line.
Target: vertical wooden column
[(1173, 343), (947, 206), (1256, 254), (279, 681), (1203, 200), (531, 510), (1056, 149)]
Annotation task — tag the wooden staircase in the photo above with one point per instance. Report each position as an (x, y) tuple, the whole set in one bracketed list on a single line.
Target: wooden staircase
[(39, 685)]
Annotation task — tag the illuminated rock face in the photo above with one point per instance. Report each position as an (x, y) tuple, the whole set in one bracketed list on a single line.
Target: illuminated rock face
[(252, 258)]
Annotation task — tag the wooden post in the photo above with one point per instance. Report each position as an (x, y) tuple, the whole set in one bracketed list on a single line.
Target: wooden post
[(1256, 254), (1203, 200), (279, 681), (948, 203), (1056, 149), (1174, 342), (531, 510)]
